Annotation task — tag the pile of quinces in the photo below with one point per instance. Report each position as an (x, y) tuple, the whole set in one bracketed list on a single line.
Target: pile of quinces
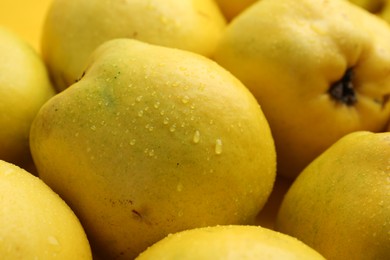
[(197, 129)]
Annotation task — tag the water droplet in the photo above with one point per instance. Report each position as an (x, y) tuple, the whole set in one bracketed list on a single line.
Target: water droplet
[(157, 104), (218, 146), (139, 98), (140, 113), (172, 128), (151, 128), (132, 142), (166, 121), (211, 121), (93, 128), (196, 137), (185, 99), (8, 172), (151, 153), (53, 240), (179, 187), (162, 112)]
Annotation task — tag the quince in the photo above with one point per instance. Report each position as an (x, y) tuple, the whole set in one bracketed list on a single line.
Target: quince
[(74, 28), (319, 69), (229, 242), (154, 140), (24, 87), (339, 205), (35, 223)]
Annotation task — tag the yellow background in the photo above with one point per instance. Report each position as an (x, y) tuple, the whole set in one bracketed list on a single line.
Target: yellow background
[(25, 17)]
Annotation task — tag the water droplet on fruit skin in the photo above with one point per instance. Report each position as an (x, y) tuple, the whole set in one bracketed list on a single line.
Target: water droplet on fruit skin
[(172, 128), (218, 146), (179, 187), (196, 137), (53, 241), (8, 172), (185, 99)]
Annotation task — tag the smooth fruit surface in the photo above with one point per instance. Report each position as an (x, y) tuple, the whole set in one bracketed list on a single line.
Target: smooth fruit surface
[(24, 87), (74, 28), (154, 140), (35, 223), (229, 242), (339, 205), (319, 69)]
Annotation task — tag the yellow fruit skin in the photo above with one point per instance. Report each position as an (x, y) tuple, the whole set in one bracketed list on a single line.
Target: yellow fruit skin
[(229, 242), (289, 54), (151, 141), (74, 28), (339, 205), (24, 87), (35, 223)]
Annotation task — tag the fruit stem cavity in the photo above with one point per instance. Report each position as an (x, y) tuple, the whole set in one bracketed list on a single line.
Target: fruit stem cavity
[(343, 90)]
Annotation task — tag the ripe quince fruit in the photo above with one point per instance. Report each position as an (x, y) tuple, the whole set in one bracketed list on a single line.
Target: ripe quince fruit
[(35, 223), (24, 87), (74, 28), (229, 242), (153, 140), (339, 205), (319, 69)]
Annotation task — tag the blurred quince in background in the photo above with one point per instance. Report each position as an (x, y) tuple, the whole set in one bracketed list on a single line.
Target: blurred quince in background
[(24, 88)]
